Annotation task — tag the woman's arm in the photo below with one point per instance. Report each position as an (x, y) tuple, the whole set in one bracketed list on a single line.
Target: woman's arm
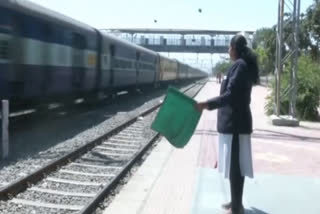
[(237, 78)]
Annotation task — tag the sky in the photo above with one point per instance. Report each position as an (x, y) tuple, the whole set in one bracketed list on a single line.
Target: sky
[(241, 15)]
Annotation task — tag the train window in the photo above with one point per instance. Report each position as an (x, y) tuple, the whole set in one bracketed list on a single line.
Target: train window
[(105, 59), (118, 63), (4, 50), (112, 50), (67, 37), (78, 41), (138, 56), (91, 43), (123, 64), (47, 31)]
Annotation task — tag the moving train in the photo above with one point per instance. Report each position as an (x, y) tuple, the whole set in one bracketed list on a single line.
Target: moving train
[(44, 54)]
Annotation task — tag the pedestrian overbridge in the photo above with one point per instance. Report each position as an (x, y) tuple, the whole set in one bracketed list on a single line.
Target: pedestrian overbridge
[(179, 40)]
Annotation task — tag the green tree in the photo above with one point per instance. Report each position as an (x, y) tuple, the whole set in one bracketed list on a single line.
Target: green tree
[(311, 23), (222, 66), (308, 79), (308, 89), (264, 44)]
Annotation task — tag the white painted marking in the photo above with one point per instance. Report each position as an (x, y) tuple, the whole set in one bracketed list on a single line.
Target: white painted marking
[(86, 174), (74, 194), (58, 180), (46, 205)]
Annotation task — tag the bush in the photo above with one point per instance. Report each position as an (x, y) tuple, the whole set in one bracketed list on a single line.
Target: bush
[(308, 83)]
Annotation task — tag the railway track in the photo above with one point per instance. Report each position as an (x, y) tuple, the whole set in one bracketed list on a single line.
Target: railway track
[(80, 180)]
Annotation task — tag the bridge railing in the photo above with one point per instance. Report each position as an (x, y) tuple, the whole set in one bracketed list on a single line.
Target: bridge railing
[(177, 42)]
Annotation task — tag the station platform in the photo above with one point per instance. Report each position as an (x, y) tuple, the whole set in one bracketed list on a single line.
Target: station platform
[(185, 181)]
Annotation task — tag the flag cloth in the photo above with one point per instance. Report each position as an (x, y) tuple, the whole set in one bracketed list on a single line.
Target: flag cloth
[(177, 118)]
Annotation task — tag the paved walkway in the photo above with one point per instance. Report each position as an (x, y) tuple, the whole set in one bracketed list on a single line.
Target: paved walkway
[(185, 181)]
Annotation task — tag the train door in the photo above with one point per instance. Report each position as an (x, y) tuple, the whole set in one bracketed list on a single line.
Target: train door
[(158, 65), (179, 73), (46, 58), (156, 71), (100, 63), (5, 59), (5, 40), (17, 51), (78, 69), (137, 67), (111, 55)]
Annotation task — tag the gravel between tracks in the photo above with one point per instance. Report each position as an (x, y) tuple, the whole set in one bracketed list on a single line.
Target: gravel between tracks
[(30, 161), (15, 208), (13, 170)]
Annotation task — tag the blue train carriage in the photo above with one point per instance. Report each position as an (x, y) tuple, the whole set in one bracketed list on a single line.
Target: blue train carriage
[(197, 73), (44, 53), (168, 69), (126, 66), (183, 71), (201, 74), (194, 73), (189, 72)]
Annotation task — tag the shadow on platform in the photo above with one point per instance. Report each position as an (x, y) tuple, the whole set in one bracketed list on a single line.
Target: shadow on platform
[(274, 135)]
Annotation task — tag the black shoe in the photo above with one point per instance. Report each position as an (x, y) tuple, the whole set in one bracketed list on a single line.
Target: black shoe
[(226, 206), (240, 211)]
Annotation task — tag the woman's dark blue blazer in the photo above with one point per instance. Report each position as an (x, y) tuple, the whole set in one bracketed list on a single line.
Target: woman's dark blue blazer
[(233, 104)]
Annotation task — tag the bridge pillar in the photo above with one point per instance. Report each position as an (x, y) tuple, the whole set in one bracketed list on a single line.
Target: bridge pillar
[(203, 41), (142, 40), (212, 42), (182, 41), (163, 41)]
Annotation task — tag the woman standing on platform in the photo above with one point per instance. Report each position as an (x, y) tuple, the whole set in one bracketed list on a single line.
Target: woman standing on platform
[(235, 121)]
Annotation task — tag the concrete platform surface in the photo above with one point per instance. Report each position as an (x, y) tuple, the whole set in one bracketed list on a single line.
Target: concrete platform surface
[(185, 181)]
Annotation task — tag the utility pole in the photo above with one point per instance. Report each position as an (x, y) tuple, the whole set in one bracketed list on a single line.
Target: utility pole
[(291, 7), (279, 45), (296, 23)]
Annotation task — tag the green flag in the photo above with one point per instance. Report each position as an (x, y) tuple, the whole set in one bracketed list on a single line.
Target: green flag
[(177, 118)]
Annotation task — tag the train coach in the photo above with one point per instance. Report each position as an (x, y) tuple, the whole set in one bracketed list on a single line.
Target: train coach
[(45, 55)]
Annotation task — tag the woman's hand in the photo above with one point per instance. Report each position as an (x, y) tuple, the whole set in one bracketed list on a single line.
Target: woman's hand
[(201, 106)]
